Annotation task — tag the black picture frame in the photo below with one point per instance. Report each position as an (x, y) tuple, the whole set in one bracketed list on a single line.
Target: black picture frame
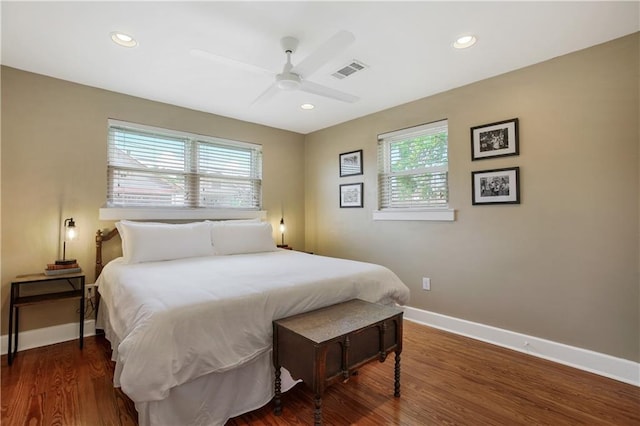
[(350, 163), (352, 195), (497, 186), (499, 139)]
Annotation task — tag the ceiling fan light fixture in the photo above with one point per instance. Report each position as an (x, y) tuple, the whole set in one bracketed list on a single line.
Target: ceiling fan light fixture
[(288, 81), (122, 39), (465, 41)]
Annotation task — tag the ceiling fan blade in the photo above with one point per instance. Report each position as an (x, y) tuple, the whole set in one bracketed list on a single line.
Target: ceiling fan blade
[(267, 94), (324, 53), (223, 60), (328, 92)]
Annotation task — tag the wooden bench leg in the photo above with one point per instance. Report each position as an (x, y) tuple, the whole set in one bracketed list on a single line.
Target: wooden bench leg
[(396, 385), (317, 412), (277, 410)]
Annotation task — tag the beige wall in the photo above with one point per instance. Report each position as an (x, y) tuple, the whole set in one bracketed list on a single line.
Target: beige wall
[(54, 136), (562, 265)]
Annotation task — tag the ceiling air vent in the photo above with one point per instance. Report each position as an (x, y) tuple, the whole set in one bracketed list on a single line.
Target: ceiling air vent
[(349, 69)]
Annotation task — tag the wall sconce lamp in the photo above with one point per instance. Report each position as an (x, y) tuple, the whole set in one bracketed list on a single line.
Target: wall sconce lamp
[(70, 234), (282, 231)]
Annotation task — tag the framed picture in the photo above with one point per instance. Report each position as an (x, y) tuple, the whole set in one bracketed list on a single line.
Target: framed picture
[(495, 140), (499, 186), (351, 163), (351, 195)]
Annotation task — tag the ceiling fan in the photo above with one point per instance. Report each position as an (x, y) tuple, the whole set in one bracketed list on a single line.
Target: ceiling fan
[(295, 77)]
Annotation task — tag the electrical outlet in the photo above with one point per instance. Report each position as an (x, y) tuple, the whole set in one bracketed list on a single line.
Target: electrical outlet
[(89, 291), (426, 283)]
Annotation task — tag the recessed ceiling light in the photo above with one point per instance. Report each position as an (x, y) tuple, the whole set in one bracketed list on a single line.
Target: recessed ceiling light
[(465, 41), (307, 106), (123, 39)]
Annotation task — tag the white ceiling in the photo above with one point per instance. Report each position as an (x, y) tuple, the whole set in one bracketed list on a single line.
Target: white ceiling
[(407, 46)]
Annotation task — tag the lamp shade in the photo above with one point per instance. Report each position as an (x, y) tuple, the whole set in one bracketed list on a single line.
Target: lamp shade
[(282, 230), (70, 230), (70, 234)]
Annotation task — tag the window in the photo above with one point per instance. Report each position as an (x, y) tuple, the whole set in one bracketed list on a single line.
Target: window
[(153, 167), (413, 168)]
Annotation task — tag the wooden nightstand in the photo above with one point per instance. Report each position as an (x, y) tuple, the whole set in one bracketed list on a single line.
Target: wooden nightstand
[(42, 289), (330, 344)]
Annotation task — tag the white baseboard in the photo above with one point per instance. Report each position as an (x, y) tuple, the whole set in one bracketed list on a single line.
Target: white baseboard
[(48, 336), (605, 365)]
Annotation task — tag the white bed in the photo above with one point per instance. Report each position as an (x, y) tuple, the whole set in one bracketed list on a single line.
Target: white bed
[(191, 337)]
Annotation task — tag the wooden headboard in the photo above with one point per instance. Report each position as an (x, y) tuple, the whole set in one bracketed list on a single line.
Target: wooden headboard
[(101, 238)]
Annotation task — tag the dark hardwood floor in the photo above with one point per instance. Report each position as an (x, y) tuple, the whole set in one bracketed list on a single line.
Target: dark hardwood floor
[(446, 380)]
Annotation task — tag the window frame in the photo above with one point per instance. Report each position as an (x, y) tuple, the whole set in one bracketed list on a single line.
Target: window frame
[(193, 209), (425, 212)]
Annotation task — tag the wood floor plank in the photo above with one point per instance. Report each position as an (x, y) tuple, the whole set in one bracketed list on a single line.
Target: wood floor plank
[(88, 409), (35, 414), (126, 409), (106, 402), (446, 380)]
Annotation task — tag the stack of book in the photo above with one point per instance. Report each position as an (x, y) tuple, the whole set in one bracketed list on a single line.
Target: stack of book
[(62, 267)]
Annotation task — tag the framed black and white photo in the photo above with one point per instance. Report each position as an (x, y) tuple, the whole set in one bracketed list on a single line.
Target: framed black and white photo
[(499, 186), (351, 163), (495, 140), (351, 195)]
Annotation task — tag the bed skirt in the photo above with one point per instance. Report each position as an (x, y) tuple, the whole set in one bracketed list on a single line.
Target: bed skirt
[(208, 400)]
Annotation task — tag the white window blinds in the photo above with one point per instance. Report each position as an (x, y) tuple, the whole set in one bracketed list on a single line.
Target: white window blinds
[(152, 167), (413, 167)]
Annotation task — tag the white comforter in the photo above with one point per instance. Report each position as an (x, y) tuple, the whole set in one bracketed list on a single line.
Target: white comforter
[(179, 320)]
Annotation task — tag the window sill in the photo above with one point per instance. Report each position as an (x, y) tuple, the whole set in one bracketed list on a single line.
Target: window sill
[(118, 213), (443, 215)]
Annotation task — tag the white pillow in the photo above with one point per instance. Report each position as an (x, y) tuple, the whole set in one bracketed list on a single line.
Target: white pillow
[(151, 242), (245, 237), (121, 231), (213, 223)]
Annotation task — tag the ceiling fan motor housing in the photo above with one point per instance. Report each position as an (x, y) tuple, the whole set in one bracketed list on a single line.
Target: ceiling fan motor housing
[(288, 81)]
